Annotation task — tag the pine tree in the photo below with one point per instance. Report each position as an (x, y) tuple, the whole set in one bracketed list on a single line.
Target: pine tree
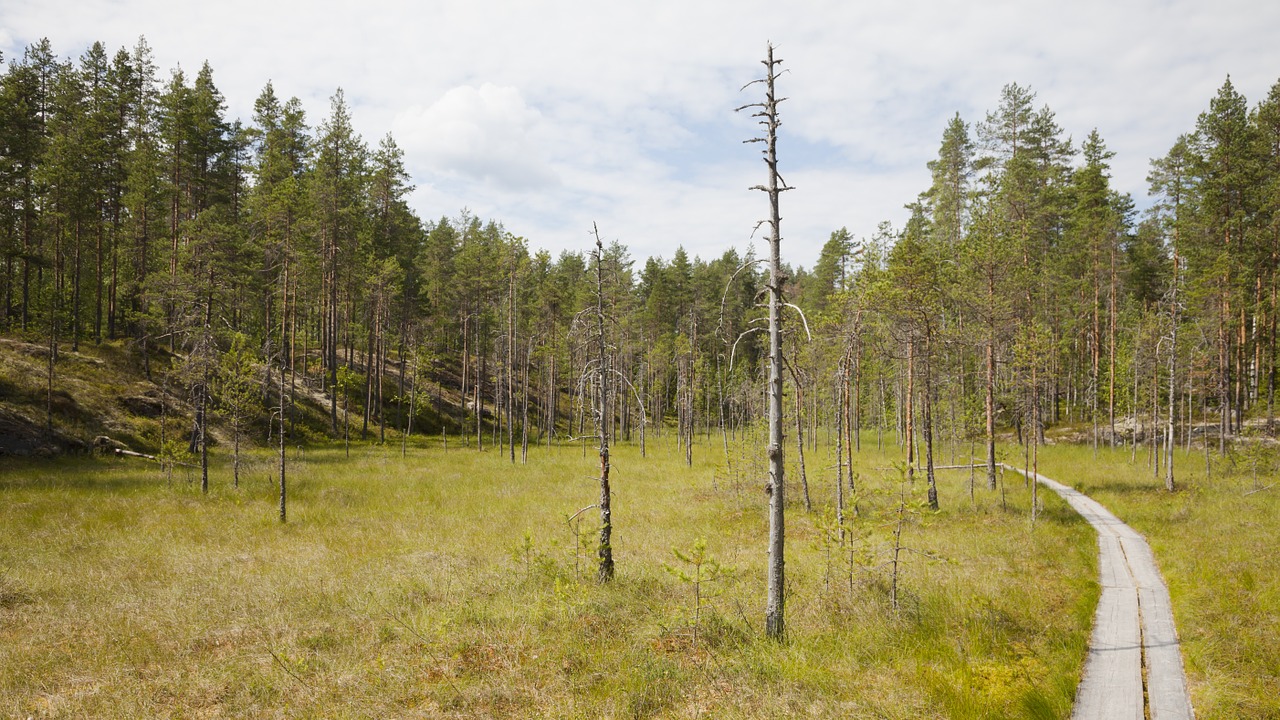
[(1219, 254), (337, 186), (948, 197)]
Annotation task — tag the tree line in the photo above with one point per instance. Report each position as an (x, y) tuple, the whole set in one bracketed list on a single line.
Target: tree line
[(275, 257), (133, 209)]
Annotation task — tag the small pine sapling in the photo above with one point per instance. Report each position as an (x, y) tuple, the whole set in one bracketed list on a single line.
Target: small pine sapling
[(582, 545), (1257, 454), (347, 380), (524, 553), (237, 393), (697, 569), (906, 511)]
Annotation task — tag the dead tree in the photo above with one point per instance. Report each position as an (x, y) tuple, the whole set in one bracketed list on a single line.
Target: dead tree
[(284, 315), (1173, 366), (767, 114), (605, 551)]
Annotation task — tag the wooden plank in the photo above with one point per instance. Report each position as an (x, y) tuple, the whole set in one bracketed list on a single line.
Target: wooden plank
[(1133, 627)]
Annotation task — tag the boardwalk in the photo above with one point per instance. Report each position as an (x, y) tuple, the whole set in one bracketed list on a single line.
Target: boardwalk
[(1134, 669)]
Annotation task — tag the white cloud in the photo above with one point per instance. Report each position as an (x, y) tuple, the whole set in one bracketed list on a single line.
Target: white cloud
[(550, 115), (485, 134)]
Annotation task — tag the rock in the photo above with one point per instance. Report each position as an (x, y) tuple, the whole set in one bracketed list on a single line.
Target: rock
[(143, 405), (104, 445), (22, 437)]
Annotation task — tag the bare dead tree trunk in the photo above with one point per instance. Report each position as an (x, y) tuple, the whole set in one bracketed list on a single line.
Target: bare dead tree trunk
[(909, 408), (382, 366), (462, 393), (927, 402), (1224, 375), (284, 303), (1155, 414), (844, 407), (1035, 436), (857, 385), (767, 112), (990, 398), (1095, 356), (413, 397), (804, 479), (1111, 319), (524, 405), (1271, 355), (605, 552), (1137, 380), (511, 356), (206, 355), (841, 374)]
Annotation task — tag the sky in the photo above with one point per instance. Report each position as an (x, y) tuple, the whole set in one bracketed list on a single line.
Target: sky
[(554, 115)]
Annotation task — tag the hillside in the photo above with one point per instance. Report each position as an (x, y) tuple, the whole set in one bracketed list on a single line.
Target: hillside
[(105, 391)]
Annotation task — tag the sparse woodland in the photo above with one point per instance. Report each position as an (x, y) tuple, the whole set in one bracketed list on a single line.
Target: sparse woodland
[(252, 266), (1023, 294)]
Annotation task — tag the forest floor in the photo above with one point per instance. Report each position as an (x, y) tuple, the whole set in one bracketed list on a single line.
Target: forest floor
[(449, 584)]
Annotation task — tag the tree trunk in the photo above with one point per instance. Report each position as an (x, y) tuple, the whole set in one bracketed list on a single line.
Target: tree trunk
[(1035, 438), (776, 602), (990, 403), (605, 551), (1111, 396), (334, 398), (840, 374), (927, 402), (804, 480), (511, 356), (908, 407), (857, 390)]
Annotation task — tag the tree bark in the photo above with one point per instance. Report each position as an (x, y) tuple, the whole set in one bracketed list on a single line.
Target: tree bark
[(604, 573), (1173, 364), (334, 398), (775, 626)]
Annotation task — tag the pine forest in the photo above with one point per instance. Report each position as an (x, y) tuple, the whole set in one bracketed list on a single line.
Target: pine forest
[(258, 303)]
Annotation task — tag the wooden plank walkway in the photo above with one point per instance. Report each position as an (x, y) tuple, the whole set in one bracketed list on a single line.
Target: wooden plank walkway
[(1134, 668)]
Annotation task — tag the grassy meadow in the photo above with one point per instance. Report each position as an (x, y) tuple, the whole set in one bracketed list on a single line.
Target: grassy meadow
[(1215, 541), (449, 584)]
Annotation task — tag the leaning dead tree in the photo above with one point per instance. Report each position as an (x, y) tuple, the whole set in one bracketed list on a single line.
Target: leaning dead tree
[(767, 114)]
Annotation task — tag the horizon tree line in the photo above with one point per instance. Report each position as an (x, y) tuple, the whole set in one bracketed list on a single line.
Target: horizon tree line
[(1023, 292)]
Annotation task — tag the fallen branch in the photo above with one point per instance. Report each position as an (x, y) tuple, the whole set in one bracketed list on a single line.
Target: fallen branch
[(120, 452)]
